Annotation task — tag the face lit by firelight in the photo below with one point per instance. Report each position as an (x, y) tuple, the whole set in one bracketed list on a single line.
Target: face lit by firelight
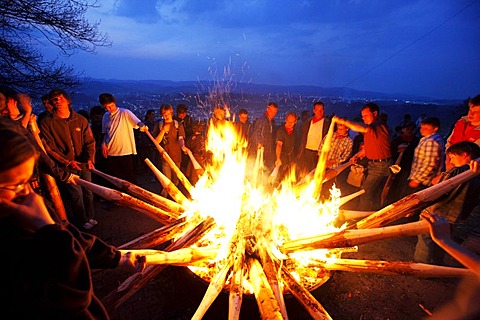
[(368, 116), (474, 114), (290, 121), (14, 182)]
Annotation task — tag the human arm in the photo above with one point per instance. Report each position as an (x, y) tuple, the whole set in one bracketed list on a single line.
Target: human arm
[(358, 127), (440, 233), (26, 103), (278, 153)]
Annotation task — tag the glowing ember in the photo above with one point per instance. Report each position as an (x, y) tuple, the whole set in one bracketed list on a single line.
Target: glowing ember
[(263, 217)]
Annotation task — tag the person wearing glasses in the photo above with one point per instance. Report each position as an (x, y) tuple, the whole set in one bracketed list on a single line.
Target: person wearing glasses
[(46, 270)]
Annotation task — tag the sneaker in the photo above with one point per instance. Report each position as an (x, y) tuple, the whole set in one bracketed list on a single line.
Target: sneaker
[(93, 222), (87, 225)]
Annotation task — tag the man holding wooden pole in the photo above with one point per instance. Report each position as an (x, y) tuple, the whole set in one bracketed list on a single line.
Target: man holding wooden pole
[(376, 149)]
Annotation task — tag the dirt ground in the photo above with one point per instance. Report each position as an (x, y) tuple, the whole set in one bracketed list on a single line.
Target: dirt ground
[(176, 292)]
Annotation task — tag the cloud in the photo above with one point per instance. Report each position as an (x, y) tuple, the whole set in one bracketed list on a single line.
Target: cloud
[(385, 44)]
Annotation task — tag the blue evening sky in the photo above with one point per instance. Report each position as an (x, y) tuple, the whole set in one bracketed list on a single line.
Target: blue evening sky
[(421, 47)]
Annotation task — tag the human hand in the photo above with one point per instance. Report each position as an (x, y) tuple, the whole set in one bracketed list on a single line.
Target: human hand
[(75, 165), (474, 165), (30, 210), (339, 120), (439, 226), (143, 128), (25, 102), (413, 184), (166, 127), (90, 165), (278, 162), (401, 148), (104, 150), (73, 179), (132, 261)]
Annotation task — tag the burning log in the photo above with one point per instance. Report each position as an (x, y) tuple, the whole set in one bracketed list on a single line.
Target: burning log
[(236, 287), (313, 307), (50, 182), (171, 189), (142, 194), (352, 214), (396, 268), (138, 280), (129, 201), (180, 257), (333, 172), (258, 166), (329, 174), (415, 201), (198, 168), (273, 176), (350, 197), (213, 290), (271, 273), (351, 238), (267, 304), (172, 164), (322, 161), (158, 236)]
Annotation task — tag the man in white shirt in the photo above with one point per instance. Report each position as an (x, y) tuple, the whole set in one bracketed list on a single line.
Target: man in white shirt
[(118, 145), (313, 132)]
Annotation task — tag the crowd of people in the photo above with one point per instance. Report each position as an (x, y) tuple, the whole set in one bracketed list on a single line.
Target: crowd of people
[(69, 146)]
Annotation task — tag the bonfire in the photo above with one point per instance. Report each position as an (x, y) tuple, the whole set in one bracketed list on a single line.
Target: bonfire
[(243, 234)]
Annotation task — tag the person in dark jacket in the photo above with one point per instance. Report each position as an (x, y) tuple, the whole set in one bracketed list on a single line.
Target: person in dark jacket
[(70, 142), (46, 271)]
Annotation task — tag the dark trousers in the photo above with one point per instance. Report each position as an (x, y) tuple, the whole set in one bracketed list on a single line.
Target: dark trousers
[(79, 202), (122, 167), (377, 173), (308, 161)]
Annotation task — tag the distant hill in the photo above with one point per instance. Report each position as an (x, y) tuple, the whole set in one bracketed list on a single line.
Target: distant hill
[(94, 86), (142, 95)]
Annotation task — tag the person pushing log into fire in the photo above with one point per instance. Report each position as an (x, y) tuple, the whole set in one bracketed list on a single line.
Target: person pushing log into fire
[(47, 273)]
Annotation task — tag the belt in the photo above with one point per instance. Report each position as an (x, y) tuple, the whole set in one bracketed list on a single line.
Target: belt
[(379, 160)]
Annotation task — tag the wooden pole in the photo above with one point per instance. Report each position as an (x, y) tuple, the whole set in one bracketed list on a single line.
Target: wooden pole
[(157, 236), (126, 200), (171, 189), (213, 290), (272, 275), (50, 182), (180, 257), (388, 183), (351, 238), (353, 214), (236, 287), (142, 194), (267, 304), (413, 202), (138, 280), (350, 197), (306, 299), (322, 161), (396, 268), (172, 164)]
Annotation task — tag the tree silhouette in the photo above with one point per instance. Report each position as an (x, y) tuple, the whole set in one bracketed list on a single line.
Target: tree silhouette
[(27, 25)]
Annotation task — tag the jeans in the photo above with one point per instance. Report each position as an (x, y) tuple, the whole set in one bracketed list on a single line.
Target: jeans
[(79, 200), (377, 173)]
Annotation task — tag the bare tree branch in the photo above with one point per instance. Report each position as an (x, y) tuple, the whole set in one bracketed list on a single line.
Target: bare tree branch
[(27, 24)]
